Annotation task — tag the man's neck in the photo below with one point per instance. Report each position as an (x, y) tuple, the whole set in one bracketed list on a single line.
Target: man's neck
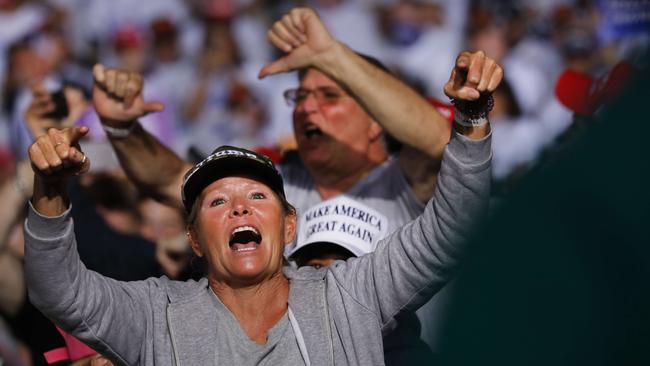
[(257, 308), (333, 181)]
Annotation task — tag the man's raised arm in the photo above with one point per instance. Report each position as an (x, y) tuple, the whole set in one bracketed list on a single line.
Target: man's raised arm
[(400, 110), (417, 260), (118, 101)]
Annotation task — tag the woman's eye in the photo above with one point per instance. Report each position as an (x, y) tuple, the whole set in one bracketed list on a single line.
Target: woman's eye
[(217, 201), (258, 196)]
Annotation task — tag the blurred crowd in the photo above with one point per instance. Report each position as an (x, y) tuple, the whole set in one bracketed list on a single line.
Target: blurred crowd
[(201, 59)]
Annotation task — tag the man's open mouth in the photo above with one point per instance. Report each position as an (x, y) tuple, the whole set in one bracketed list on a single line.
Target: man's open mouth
[(245, 239), (312, 131)]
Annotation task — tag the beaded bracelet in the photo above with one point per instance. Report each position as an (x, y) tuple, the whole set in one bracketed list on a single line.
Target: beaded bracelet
[(473, 113), (475, 108)]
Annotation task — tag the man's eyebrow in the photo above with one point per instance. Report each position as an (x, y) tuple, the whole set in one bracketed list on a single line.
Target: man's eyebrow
[(332, 88)]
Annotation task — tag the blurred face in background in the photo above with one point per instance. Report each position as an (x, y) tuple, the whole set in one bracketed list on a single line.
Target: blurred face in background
[(130, 49), (491, 40), (160, 221), (165, 226), (220, 49), (329, 124), (52, 48), (165, 40), (25, 66)]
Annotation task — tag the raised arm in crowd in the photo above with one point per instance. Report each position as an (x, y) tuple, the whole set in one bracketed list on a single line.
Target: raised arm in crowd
[(251, 308), (386, 102)]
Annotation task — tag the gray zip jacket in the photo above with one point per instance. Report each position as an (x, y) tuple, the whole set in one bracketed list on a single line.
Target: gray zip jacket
[(338, 313)]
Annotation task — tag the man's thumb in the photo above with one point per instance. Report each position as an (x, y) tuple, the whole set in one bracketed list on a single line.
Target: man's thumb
[(150, 107), (98, 73), (274, 67)]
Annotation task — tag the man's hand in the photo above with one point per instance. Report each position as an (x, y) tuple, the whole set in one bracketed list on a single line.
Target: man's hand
[(304, 38), (36, 116), (56, 155), (117, 96), (473, 75)]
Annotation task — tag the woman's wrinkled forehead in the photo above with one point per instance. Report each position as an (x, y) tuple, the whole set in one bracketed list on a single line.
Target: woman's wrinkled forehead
[(226, 186), (234, 183)]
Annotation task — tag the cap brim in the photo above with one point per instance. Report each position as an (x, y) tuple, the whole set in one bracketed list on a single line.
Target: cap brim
[(350, 248), (229, 166)]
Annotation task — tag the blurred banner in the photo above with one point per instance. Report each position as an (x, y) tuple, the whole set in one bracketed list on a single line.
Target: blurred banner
[(623, 18)]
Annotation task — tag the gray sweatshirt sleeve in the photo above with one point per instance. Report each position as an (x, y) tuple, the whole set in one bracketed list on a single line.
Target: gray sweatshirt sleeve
[(414, 262), (96, 309)]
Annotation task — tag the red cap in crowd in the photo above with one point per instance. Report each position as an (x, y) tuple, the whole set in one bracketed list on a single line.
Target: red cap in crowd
[(584, 94), (127, 37)]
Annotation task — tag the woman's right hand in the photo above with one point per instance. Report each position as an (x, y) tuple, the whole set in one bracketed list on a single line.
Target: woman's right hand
[(56, 155)]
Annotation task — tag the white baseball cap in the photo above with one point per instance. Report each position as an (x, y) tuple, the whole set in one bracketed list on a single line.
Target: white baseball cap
[(341, 221)]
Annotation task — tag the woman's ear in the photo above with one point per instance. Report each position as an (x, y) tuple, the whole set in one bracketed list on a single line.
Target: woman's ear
[(194, 241), (290, 223)]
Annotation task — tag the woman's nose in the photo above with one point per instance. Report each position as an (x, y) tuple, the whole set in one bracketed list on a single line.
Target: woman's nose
[(239, 209)]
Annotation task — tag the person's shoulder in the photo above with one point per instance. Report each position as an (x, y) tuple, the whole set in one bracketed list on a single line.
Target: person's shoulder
[(305, 273), (182, 290)]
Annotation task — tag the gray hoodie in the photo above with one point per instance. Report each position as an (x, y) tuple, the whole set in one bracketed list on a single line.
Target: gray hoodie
[(337, 313)]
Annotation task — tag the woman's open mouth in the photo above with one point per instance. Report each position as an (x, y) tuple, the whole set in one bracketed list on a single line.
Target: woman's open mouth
[(245, 239)]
